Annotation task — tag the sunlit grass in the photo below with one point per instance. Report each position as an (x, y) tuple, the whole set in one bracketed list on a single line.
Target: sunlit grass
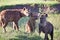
[(15, 2), (14, 35), (55, 20), (21, 35)]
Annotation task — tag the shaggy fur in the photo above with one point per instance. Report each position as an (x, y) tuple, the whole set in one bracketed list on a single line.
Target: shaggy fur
[(46, 27), (30, 26), (12, 15)]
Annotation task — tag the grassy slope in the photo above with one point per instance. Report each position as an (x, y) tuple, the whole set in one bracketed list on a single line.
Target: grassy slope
[(10, 35)]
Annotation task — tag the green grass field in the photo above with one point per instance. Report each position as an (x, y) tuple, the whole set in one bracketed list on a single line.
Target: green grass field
[(21, 35), (15, 2)]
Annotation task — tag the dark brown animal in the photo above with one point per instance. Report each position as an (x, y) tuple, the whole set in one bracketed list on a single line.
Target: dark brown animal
[(46, 27), (30, 26), (12, 15)]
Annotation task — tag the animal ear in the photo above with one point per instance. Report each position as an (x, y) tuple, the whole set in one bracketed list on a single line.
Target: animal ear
[(46, 15), (24, 8)]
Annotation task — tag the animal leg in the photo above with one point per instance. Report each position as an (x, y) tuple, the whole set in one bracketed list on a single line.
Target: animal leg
[(40, 29), (27, 28), (46, 37), (4, 27), (16, 26), (51, 34)]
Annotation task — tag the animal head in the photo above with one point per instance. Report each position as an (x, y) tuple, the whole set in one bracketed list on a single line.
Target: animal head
[(34, 15), (43, 17), (25, 11)]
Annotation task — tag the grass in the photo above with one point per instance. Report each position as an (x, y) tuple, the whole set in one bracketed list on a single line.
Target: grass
[(21, 35), (14, 35), (15, 2), (55, 20)]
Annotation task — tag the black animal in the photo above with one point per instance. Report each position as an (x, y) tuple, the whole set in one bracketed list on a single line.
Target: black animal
[(46, 27)]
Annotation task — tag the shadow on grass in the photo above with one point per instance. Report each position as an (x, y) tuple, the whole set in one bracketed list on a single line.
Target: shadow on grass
[(24, 37)]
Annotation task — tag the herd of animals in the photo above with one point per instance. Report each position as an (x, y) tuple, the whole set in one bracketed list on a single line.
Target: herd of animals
[(13, 15)]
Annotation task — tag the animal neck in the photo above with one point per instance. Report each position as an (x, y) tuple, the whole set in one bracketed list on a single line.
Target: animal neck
[(22, 15), (44, 23)]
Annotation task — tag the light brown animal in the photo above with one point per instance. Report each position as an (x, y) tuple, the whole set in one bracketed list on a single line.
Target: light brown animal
[(12, 15)]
